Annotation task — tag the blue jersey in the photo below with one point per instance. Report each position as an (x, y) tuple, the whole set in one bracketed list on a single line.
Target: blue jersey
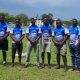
[(59, 33), (17, 32), (3, 29), (33, 32), (73, 32), (46, 32)]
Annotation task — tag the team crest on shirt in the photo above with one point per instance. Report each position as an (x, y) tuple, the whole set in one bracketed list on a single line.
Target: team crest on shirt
[(2, 32), (33, 35), (17, 35), (59, 37), (46, 35)]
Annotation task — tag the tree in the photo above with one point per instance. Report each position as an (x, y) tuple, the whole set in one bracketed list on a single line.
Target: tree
[(8, 17), (23, 17), (49, 16)]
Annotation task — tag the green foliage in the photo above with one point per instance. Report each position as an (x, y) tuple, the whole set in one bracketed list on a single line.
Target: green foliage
[(24, 18), (49, 16), (32, 72), (8, 17)]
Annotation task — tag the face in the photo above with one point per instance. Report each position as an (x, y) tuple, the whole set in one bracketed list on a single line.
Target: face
[(33, 21), (58, 23), (45, 21), (17, 23), (74, 22), (2, 18)]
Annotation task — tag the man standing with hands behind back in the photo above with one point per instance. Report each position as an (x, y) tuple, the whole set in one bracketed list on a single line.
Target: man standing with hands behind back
[(4, 32), (60, 35)]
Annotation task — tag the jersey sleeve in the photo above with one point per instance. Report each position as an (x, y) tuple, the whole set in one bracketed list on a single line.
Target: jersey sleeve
[(79, 32), (7, 28), (27, 31), (66, 31), (52, 33), (11, 31), (39, 30), (23, 31)]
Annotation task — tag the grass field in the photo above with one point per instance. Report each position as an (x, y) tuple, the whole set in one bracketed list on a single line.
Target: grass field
[(32, 72)]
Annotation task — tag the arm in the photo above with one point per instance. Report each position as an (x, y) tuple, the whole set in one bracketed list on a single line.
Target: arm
[(53, 39), (66, 36), (6, 35), (11, 35)]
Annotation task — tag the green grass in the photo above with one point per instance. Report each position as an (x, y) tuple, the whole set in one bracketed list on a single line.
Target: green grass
[(32, 72)]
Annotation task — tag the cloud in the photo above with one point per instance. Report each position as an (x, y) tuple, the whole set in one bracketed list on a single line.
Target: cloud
[(34, 3), (61, 8)]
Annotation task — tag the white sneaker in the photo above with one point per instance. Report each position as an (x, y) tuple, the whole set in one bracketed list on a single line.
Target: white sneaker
[(4, 62)]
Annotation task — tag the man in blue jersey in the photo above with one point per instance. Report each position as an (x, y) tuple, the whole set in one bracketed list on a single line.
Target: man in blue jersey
[(17, 34), (4, 32), (74, 32), (33, 35), (46, 33), (60, 35)]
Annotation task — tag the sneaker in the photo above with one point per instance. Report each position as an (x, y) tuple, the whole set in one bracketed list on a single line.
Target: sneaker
[(77, 70), (49, 66), (43, 65), (4, 62), (38, 66), (65, 69), (57, 67), (12, 65), (26, 64)]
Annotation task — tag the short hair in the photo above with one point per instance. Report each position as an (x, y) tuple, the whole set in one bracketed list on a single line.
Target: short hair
[(18, 20), (59, 20), (74, 19), (2, 16), (44, 18), (32, 19)]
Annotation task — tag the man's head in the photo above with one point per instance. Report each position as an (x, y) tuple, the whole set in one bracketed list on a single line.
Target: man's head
[(74, 22), (45, 21), (2, 18), (33, 21), (58, 23), (18, 22)]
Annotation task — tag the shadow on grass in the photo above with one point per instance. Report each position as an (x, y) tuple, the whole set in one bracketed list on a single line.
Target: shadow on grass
[(16, 64)]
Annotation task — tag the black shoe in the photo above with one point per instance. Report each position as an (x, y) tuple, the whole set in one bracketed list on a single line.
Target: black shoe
[(25, 66), (77, 70), (57, 67), (38, 66), (49, 66), (43, 65), (65, 69), (12, 65)]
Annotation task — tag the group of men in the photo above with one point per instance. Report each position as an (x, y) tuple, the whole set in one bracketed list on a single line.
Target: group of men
[(59, 35)]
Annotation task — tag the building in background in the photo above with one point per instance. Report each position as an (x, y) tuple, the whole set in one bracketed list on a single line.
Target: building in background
[(38, 21)]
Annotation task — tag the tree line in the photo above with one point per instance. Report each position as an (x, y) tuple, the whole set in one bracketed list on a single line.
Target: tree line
[(25, 19)]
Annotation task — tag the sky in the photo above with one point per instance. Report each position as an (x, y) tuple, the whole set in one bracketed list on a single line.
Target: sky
[(64, 9)]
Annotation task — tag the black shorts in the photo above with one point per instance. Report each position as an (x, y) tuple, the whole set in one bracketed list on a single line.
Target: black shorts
[(4, 45), (17, 47)]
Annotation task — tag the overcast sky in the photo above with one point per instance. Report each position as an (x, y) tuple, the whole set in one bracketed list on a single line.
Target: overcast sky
[(64, 9)]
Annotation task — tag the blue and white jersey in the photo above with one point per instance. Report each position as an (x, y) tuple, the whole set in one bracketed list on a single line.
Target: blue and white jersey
[(46, 32), (33, 32), (17, 32), (3, 29), (74, 34), (59, 33)]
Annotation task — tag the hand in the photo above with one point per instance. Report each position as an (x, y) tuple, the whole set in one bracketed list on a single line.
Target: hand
[(1, 38), (61, 43), (56, 43), (33, 42), (17, 41)]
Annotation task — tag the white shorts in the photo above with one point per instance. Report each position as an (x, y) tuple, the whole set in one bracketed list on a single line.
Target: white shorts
[(46, 46)]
